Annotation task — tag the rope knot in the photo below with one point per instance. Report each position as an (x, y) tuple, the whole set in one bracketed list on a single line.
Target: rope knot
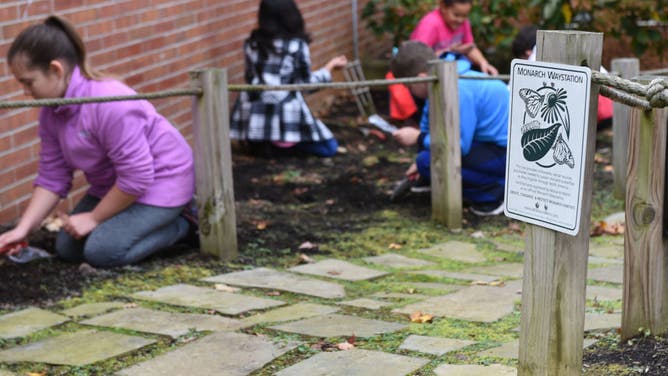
[(657, 93)]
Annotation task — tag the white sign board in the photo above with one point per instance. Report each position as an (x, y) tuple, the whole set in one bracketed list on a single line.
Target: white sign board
[(547, 137)]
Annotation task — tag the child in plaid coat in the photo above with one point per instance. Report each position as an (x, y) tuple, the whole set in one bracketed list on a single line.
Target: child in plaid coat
[(277, 53)]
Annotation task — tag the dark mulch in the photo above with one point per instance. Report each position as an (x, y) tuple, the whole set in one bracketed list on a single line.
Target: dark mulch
[(284, 202)]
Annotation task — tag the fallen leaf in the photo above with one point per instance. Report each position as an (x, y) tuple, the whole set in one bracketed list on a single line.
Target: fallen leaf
[(273, 293), (299, 191), (225, 288), (53, 224), (608, 168), (497, 283), (420, 317), (304, 259), (341, 150), (362, 148), (261, 225), (333, 272), (345, 346), (36, 374), (351, 339), (307, 245), (394, 246), (479, 283), (130, 305)]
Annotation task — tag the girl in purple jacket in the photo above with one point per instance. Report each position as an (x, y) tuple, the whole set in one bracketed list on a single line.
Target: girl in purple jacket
[(139, 168)]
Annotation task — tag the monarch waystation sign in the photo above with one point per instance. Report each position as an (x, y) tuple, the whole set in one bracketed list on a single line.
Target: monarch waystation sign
[(547, 137)]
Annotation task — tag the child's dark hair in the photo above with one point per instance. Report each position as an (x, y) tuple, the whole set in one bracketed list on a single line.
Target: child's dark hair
[(53, 39), (277, 19), (412, 59), (524, 40), (449, 3)]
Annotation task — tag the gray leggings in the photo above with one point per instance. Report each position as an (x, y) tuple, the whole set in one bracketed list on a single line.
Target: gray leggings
[(126, 238)]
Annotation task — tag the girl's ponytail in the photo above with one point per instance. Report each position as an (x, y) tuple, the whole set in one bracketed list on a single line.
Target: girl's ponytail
[(53, 39)]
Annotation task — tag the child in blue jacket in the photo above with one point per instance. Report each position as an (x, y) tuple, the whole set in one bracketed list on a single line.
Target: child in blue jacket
[(483, 106)]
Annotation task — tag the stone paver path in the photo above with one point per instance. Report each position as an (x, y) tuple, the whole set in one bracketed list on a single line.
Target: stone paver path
[(166, 323), (454, 250), (511, 350), (609, 251), (393, 260), (366, 303), (339, 325), (75, 349), (338, 269), (355, 362), (293, 312), (433, 345), (471, 277), (221, 353), (474, 370), (92, 309), (613, 274), (603, 293), (28, 321), (273, 279), (475, 303), (601, 321), (201, 297)]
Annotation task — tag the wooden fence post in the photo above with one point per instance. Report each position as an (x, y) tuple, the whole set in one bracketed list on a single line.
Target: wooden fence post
[(446, 158), (555, 264), (213, 165), (645, 301), (627, 68)]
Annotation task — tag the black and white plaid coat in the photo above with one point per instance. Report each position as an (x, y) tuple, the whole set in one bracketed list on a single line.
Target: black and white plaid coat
[(278, 115)]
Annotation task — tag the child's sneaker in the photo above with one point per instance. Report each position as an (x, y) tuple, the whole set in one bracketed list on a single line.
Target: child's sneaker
[(421, 185), (487, 209)]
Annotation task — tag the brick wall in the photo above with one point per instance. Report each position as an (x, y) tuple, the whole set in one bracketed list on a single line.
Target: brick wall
[(151, 45)]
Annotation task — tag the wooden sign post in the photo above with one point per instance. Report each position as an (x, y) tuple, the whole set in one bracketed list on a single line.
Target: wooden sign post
[(627, 68), (555, 264)]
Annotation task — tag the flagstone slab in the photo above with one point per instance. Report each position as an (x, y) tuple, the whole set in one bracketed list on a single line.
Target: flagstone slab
[(393, 260), (474, 370), (511, 350), (202, 297), (220, 353), (508, 247), (338, 269), (603, 293), (75, 349), (593, 260), (455, 250), (456, 275), (609, 251), (614, 274), (355, 362), (443, 287), (398, 295), (6, 373), (433, 345), (289, 313), (599, 321), (92, 309), (365, 303), (276, 280), (27, 321), (171, 324), (335, 325), (512, 270), (474, 303)]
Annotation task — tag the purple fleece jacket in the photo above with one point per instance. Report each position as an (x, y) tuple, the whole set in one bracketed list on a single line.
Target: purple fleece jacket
[(127, 143)]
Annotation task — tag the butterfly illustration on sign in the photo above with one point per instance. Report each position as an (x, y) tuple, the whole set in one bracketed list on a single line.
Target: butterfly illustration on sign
[(546, 119)]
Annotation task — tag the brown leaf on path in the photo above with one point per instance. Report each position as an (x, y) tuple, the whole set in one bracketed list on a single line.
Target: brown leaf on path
[(603, 228), (352, 339), (497, 283), (479, 283), (130, 305), (36, 374), (394, 246), (333, 272), (225, 288), (273, 293), (304, 259), (420, 317)]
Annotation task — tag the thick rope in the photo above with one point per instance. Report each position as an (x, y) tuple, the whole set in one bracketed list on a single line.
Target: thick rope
[(654, 95), (65, 101)]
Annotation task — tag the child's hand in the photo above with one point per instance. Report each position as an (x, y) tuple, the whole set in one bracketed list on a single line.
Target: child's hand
[(406, 136), (337, 62), (462, 48), (412, 172), (489, 69)]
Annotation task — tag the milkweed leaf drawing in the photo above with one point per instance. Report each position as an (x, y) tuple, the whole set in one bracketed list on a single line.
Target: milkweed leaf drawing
[(537, 142), (533, 101), (562, 153)]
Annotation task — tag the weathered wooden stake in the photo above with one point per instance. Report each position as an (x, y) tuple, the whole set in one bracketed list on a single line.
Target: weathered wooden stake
[(645, 301), (213, 165), (555, 264), (626, 68), (446, 158)]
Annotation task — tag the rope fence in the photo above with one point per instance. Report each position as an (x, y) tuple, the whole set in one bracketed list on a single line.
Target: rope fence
[(653, 95)]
